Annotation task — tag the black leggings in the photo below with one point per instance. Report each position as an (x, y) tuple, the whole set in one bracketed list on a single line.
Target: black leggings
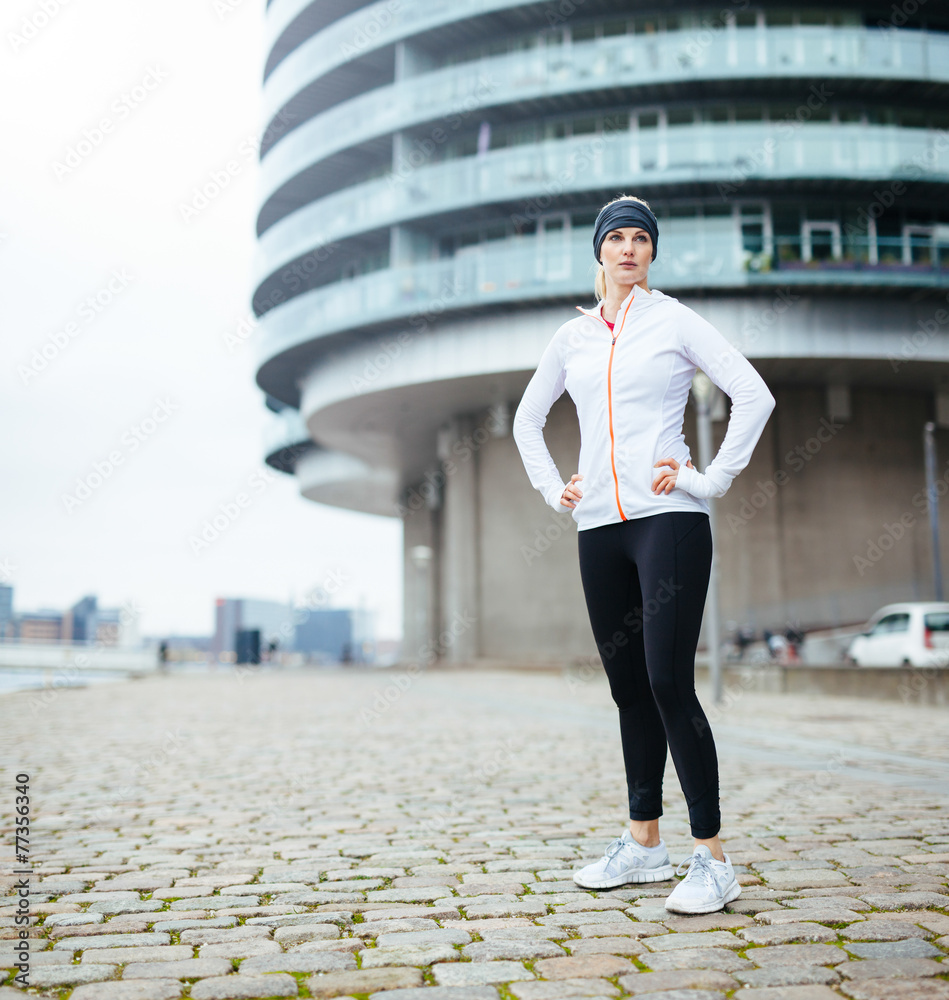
[(645, 581)]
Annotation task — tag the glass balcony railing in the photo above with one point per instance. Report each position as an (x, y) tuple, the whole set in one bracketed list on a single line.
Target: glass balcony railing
[(712, 153), (450, 97), (693, 254), (285, 439), (369, 28)]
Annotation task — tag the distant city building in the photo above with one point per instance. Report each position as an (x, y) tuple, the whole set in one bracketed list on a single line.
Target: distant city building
[(272, 619), (39, 626), (83, 620), (108, 626), (84, 623), (6, 611), (335, 635)]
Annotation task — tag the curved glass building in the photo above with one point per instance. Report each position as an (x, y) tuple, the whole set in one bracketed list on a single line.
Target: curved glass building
[(430, 173)]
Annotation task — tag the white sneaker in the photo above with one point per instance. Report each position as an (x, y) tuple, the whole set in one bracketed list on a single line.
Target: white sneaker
[(708, 884), (626, 860)]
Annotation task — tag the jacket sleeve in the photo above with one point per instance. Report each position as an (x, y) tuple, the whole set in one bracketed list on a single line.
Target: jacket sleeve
[(752, 403), (544, 389)]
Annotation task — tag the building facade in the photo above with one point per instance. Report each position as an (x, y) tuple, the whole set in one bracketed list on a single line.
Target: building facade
[(430, 173), (274, 622)]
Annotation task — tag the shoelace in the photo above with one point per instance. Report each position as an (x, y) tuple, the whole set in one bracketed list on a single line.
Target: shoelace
[(700, 868), (616, 846), (613, 849)]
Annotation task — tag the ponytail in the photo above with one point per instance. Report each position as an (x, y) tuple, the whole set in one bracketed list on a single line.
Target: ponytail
[(599, 283)]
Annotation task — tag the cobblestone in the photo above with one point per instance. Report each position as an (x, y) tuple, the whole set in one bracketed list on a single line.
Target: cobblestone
[(692, 979), (357, 860), (68, 975), (788, 975), (155, 989), (479, 973), (245, 987), (187, 968), (720, 959)]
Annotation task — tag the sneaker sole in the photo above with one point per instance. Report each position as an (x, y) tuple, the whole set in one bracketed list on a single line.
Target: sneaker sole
[(638, 877), (731, 893)]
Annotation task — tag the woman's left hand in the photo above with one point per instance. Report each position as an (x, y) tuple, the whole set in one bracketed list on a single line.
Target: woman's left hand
[(666, 480)]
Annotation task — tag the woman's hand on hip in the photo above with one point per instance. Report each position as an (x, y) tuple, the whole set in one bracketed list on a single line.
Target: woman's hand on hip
[(572, 492), (666, 480)]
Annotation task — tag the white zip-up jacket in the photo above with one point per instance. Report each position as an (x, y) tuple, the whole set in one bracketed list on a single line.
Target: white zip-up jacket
[(630, 388)]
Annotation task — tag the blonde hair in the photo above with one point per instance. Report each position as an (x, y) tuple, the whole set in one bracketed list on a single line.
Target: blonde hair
[(599, 282)]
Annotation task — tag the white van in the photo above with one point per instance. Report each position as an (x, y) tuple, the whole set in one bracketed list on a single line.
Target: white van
[(915, 634)]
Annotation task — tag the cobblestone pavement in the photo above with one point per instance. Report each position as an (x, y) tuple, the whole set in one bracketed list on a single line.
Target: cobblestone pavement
[(377, 834)]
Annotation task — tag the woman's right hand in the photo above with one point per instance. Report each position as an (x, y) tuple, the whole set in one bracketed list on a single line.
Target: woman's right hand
[(571, 493)]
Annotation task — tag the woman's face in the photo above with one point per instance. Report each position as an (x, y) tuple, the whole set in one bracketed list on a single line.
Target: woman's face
[(626, 255)]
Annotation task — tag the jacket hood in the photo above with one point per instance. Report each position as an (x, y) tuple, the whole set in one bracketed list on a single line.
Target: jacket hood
[(646, 299)]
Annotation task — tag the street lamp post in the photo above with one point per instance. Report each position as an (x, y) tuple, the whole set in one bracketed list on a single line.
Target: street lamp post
[(929, 447), (703, 389)]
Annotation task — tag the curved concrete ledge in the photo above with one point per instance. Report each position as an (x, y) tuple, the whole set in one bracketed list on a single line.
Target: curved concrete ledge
[(341, 480), (366, 30)]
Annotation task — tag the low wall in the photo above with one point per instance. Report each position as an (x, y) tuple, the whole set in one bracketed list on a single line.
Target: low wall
[(42, 656), (913, 685)]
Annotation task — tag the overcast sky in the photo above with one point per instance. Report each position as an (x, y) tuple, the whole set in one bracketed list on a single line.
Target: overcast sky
[(113, 113)]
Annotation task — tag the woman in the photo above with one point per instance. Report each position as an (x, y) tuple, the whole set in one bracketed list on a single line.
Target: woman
[(644, 542)]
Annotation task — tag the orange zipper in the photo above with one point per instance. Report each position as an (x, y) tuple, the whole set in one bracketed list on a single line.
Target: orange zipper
[(609, 396)]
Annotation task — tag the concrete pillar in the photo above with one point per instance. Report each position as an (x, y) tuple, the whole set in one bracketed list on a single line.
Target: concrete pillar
[(460, 564), (420, 577)]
